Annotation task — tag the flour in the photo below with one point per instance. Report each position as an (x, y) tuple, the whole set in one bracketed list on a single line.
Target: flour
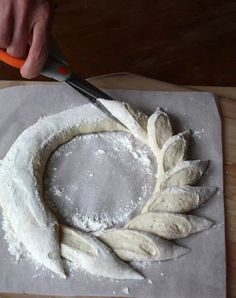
[(118, 144), (100, 221), (218, 227), (198, 132), (100, 152), (113, 148), (14, 246), (33, 223), (125, 291)]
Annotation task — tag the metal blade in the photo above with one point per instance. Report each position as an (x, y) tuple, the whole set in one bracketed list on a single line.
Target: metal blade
[(101, 107), (87, 89), (92, 93)]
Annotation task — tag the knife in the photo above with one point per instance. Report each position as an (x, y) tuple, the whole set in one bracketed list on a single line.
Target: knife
[(58, 69)]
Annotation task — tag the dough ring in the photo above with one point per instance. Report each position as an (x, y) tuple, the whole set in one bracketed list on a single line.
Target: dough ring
[(144, 238)]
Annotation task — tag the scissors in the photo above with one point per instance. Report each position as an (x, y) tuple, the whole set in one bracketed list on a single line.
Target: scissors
[(58, 69)]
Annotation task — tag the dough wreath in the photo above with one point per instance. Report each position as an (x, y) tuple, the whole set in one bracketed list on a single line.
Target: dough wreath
[(21, 174)]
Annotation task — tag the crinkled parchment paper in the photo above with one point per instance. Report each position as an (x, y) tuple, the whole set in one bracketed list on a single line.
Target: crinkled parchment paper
[(76, 169)]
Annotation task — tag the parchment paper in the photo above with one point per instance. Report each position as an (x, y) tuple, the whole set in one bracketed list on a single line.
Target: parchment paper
[(200, 273)]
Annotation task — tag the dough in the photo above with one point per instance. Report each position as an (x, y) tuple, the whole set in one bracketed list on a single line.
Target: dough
[(174, 150), (180, 199), (90, 254), (132, 245), (124, 113), (21, 195), (169, 225), (159, 130), (21, 174), (185, 173)]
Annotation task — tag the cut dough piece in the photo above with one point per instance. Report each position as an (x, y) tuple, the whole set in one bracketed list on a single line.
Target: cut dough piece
[(185, 173), (131, 245), (21, 173), (159, 130), (169, 225), (180, 199), (174, 150), (122, 112), (139, 116), (93, 256)]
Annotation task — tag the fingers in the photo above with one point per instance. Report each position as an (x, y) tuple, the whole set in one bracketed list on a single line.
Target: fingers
[(38, 52), (6, 23), (25, 23), (21, 29)]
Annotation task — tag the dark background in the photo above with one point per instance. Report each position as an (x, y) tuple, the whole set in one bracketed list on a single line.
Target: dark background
[(183, 42)]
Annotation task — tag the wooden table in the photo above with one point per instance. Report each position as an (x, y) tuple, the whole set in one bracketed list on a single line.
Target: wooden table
[(228, 113)]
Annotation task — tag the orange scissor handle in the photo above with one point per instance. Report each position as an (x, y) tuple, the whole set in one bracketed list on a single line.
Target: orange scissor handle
[(10, 60), (53, 67)]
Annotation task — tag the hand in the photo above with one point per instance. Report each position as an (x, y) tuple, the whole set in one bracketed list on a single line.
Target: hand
[(24, 32)]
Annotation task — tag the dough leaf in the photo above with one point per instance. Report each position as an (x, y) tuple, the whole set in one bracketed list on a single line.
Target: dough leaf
[(131, 245), (174, 150), (139, 116), (180, 199), (125, 115), (185, 173), (90, 254), (159, 130), (169, 225)]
